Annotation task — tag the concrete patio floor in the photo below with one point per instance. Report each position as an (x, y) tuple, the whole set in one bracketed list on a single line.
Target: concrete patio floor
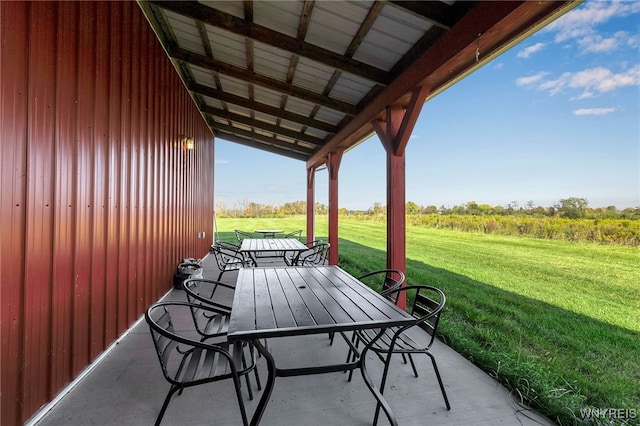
[(126, 387)]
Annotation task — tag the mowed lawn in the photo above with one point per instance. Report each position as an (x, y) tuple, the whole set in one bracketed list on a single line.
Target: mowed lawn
[(557, 322)]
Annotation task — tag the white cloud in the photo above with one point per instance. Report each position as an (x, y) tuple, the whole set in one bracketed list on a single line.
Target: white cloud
[(532, 79), (528, 51), (581, 22), (598, 44), (555, 86), (591, 81), (220, 161), (593, 111)]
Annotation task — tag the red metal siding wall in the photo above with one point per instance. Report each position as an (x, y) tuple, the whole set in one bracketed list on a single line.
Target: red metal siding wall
[(98, 200)]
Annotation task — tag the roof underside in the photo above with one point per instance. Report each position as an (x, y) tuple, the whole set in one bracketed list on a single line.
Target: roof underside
[(306, 78)]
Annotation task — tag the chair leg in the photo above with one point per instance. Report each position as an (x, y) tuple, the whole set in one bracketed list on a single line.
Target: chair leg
[(350, 358), (435, 368), (246, 376), (236, 382), (254, 358), (165, 404), (413, 365), (387, 363)]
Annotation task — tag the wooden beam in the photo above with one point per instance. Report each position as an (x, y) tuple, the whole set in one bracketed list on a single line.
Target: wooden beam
[(394, 133), (261, 80), (333, 166), (311, 204), (259, 137), (275, 149), (252, 122), (216, 18), (260, 107), (439, 14), (449, 58)]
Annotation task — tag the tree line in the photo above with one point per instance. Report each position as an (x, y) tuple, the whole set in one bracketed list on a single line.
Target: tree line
[(567, 208)]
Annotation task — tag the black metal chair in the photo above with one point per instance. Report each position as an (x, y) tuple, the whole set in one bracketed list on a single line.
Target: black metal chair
[(384, 281), (295, 234), (228, 259), (426, 304), (315, 255), (186, 362), (213, 321), (241, 235)]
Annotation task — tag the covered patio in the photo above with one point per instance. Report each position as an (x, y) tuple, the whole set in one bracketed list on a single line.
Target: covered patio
[(127, 387), (110, 111)]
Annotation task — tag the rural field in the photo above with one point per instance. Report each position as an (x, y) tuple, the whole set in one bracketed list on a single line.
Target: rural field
[(557, 322)]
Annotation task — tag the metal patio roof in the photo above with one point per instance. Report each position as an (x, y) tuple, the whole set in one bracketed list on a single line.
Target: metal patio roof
[(306, 78)]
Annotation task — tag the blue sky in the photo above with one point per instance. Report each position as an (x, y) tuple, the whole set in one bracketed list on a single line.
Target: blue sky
[(556, 116)]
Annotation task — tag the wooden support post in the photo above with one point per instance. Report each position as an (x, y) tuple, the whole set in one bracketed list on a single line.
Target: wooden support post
[(333, 166), (311, 211), (394, 134)]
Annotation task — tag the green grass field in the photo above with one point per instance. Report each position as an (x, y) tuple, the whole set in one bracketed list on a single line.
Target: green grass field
[(557, 322)]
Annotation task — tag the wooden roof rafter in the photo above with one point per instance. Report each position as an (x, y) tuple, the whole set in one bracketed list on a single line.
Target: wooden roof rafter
[(315, 76)]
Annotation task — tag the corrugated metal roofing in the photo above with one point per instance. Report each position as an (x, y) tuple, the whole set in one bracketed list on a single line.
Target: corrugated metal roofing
[(305, 78)]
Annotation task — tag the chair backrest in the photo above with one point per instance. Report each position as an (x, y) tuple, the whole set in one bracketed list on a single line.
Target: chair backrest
[(385, 281), (425, 303), (228, 245), (177, 351), (295, 234), (161, 326), (241, 235), (316, 255), (171, 347), (226, 254), (209, 292)]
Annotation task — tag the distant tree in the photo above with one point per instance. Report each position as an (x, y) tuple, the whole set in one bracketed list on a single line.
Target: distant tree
[(412, 208), (377, 209), (458, 210), (321, 209), (472, 208), (572, 207), (430, 210)]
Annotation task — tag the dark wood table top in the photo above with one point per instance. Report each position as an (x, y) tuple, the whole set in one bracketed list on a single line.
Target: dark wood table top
[(256, 245), (290, 301)]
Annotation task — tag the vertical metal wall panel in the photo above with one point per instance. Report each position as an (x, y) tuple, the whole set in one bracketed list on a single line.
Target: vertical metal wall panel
[(39, 214), (113, 175), (64, 225), (99, 200), (134, 184), (100, 179), (84, 187), (124, 239), (13, 115)]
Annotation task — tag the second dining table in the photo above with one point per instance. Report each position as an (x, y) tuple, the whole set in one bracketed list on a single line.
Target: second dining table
[(296, 301), (257, 248)]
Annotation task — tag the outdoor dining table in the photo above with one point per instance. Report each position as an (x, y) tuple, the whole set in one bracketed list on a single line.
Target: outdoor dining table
[(299, 301), (271, 247), (269, 233)]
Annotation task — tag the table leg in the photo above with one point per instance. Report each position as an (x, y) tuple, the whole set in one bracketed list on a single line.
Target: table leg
[(376, 393), (268, 388)]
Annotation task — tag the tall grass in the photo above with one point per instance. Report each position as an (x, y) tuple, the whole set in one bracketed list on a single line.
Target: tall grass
[(557, 322)]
